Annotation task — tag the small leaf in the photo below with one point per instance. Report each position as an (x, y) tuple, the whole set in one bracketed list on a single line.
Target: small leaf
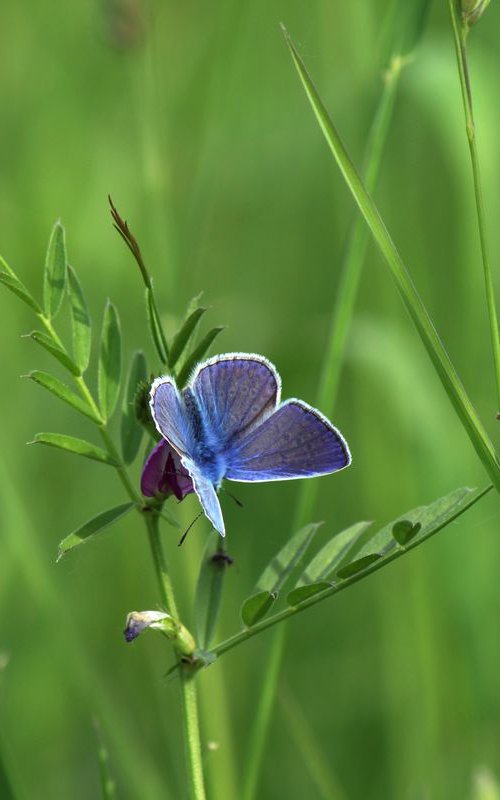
[(256, 607), (131, 430), (48, 344), (301, 593), (80, 322), (358, 565), (209, 591), (93, 526), (55, 271), (12, 282), (331, 556), (276, 573), (60, 390), (78, 446), (183, 335), (155, 326), (110, 361), (197, 355), (404, 531)]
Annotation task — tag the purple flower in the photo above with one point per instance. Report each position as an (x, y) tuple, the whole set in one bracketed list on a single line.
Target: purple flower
[(163, 473)]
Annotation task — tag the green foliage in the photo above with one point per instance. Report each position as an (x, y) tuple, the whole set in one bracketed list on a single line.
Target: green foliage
[(214, 564), (131, 429), (47, 342), (54, 279), (60, 390), (73, 445), (12, 282), (275, 574), (92, 527), (155, 326), (80, 322), (110, 361), (197, 355), (184, 334)]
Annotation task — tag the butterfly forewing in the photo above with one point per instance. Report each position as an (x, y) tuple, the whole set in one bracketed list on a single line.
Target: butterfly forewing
[(296, 441), (170, 417), (235, 392)]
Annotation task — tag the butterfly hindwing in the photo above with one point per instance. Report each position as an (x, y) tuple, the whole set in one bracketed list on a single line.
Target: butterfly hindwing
[(235, 392), (296, 441), (207, 496)]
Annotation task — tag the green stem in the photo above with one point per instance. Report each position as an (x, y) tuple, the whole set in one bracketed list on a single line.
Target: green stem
[(409, 294), (160, 563), (460, 33), (269, 622), (192, 735)]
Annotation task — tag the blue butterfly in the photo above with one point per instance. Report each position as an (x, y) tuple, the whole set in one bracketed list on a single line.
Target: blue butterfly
[(229, 423)]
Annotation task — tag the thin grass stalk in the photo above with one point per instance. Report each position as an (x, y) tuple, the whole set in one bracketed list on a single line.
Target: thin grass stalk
[(460, 36), (443, 365), (343, 312)]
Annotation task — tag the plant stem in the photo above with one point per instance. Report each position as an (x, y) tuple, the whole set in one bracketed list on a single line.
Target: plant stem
[(192, 735), (460, 33), (268, 622), (160, 563)]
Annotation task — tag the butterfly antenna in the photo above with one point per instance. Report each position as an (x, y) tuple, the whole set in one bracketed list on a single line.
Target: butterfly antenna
[(238, 502), (183, 537)]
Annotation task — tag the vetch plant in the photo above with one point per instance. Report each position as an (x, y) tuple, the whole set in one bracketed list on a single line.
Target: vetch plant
[(224, 419)]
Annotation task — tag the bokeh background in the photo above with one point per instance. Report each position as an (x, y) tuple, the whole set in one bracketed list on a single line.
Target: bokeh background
[(192, 117)]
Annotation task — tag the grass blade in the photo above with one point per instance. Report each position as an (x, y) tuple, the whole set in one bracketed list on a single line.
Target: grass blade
[(110, 361), (54, 349), (73, 445), (93, 526), (435, 348), (60, 390), (131, 430), (54, 279), (80, 322)]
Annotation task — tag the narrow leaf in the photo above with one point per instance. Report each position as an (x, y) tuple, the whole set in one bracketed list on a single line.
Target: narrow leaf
[(301, 593), (155, 326), (60, 390), (12, 282), (110, 361), (93, 526), (331, 556), (197, 355), (48, 344), (412, 300), (183, 335), (256, 607), (80, 322), (55, 271), (131, 429), (275, 574), (213, 569), (78, 446), (358, 565)]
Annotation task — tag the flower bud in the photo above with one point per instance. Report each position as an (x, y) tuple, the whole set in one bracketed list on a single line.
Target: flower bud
[(472, 10), (138, 621)]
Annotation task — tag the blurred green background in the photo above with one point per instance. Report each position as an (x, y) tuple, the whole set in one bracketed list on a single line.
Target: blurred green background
[(192, 117)]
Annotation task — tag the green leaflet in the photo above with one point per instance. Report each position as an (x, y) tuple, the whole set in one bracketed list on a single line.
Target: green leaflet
[(54, 278), (196, 355), (73, 445), (183, 335), (60, 390), (81, 325), (12, 282), (208, 598), (131, 430), (48, 344), (93, 526), (110, 361), (275, 574)]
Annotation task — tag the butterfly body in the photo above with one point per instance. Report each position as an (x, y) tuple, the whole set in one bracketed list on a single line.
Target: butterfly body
[(229, 423)]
